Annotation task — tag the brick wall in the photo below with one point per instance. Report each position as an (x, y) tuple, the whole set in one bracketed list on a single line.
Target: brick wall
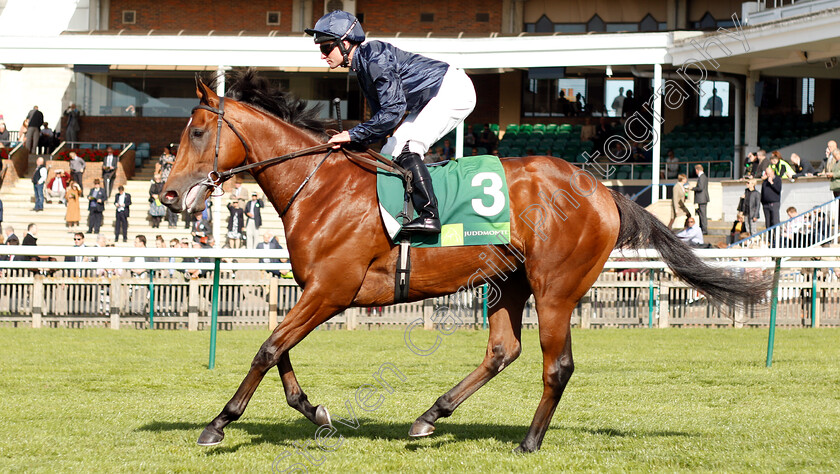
[(157, 131), (381, 16), (450, 17), (201, 15)]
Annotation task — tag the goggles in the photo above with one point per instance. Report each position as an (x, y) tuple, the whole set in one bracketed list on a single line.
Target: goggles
[(326, 48)]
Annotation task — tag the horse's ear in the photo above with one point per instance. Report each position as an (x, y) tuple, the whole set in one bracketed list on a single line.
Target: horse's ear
[(204, 93)]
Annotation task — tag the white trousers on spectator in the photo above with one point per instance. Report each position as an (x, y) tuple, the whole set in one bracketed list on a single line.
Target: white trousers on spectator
[(454, 101), (251, 234)]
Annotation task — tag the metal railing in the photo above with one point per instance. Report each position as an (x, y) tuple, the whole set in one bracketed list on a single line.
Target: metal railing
[(813, 227)]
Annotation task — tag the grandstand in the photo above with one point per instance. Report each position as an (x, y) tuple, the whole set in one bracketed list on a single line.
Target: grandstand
[(130, 65)]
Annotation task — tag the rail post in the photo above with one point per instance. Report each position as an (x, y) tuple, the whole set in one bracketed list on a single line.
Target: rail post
[(651, 304), (773, 300), (214, 313), (814, 299), (484, 291), (151, 299)]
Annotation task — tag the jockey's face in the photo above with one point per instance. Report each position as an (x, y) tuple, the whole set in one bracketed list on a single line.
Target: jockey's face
[(334, 58)]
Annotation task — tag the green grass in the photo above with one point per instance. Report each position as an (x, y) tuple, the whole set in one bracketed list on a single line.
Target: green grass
[(640, 400)]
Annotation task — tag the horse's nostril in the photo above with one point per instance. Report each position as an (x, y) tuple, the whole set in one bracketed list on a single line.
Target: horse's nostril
[(170, 196)]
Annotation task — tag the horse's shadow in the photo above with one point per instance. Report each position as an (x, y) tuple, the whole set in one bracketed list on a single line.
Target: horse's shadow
[(301, 432)]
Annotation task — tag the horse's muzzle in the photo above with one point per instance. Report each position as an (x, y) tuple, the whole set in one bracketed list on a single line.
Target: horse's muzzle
[(171, 200)]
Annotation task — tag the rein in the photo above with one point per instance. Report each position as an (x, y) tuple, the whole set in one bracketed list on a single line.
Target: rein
[(215, 179)]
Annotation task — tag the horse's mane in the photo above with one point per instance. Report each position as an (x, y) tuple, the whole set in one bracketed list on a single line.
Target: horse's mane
[(248, 87)]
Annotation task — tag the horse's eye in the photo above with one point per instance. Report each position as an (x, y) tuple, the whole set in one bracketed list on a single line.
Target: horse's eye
[(196, 133)]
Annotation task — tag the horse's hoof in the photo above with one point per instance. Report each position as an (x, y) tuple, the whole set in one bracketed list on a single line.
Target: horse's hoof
[(421, 428), (210, 436), (522, 449), (322, 416)]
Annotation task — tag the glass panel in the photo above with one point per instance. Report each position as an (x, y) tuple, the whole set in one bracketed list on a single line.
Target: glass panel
[(569, 28), (612, 90), (807, 95), (616, 27), (714, 99)]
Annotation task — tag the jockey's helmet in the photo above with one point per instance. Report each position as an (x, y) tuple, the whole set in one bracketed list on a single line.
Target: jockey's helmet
[(337, 25)]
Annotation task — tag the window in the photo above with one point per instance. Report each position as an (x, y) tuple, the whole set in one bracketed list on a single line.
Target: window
[(427, 17), (648, 23), (570, 28), (129, 17), (544, 25), (482, 17), (542, 97), (714, 99), (706, 23), (618, 27), (596, 24), (272, 18), (807, 95), (612, 89)]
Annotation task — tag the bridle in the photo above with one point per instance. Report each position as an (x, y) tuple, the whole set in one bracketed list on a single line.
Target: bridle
[(215, 178)]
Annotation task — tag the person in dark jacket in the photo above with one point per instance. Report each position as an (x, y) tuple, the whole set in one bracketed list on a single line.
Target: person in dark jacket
[(436, 96), (751, 206), (771, 197)]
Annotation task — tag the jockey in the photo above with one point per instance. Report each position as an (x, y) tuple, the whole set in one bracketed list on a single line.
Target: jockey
[(436, 96)]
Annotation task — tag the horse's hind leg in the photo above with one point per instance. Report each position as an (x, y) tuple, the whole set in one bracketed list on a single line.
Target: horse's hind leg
[(558, 365), (295, 396), (306, 315), (503, 347)]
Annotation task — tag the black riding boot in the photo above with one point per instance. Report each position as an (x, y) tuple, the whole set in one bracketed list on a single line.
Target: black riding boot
[(423, 196)]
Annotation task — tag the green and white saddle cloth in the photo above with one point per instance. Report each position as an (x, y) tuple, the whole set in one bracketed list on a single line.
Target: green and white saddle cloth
[(473, 201)]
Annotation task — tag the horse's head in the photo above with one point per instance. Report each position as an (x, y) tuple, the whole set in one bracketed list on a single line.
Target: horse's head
[(190, 181)]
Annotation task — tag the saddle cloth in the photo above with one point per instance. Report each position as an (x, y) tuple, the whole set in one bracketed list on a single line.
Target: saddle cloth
[(473, 201)]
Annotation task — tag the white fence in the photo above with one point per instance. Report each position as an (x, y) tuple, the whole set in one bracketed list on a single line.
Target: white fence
[(635, 293)]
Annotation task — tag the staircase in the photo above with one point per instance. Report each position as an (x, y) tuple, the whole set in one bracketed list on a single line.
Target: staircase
[(811, 228), (18, 201)]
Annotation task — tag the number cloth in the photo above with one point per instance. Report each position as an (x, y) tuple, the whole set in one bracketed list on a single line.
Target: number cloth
[(472, 196)]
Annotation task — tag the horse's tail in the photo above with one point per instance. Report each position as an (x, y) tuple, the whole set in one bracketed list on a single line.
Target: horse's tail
[(640, 229)]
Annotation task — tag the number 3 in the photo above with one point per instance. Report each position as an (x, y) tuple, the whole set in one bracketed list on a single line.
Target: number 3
[(493, 190)]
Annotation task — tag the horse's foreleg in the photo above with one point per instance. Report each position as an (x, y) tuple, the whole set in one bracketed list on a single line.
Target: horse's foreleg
[(503, 347), (295, 396), (556, 343), (306, 315)]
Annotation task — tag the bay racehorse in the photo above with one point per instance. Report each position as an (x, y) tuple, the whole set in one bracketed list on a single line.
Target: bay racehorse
[(564, 224)]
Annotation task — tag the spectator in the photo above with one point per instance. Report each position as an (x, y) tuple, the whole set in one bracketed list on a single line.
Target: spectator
[(701, 197), (761, 165), (630, 106), (794, 229), (72, 125), (139, 243), (96, 205), (487, 138), (618, 103), (750, 163), (165, 163), (750, 206), (714, 105), (73, 214), (39, 178), (109, 170), (193, 274), (173, 244), (448, 151), (692, 234), (5, 136), (57, 186), (47, 138), (771, 197), (9, 232), (156, 208), (270, 243), (78, 242), (672, 165), (781, 168), (432, 156), (253, 221), (103, 242), (829, 151), (239, 192), (738, 227), (31, 237), (587, 132), (678, 200), (22, 131), (236, 223), (1, 214), (200, 229), (33, 129), (77, 169), (832, 170), (122, 202), (801, 168)]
